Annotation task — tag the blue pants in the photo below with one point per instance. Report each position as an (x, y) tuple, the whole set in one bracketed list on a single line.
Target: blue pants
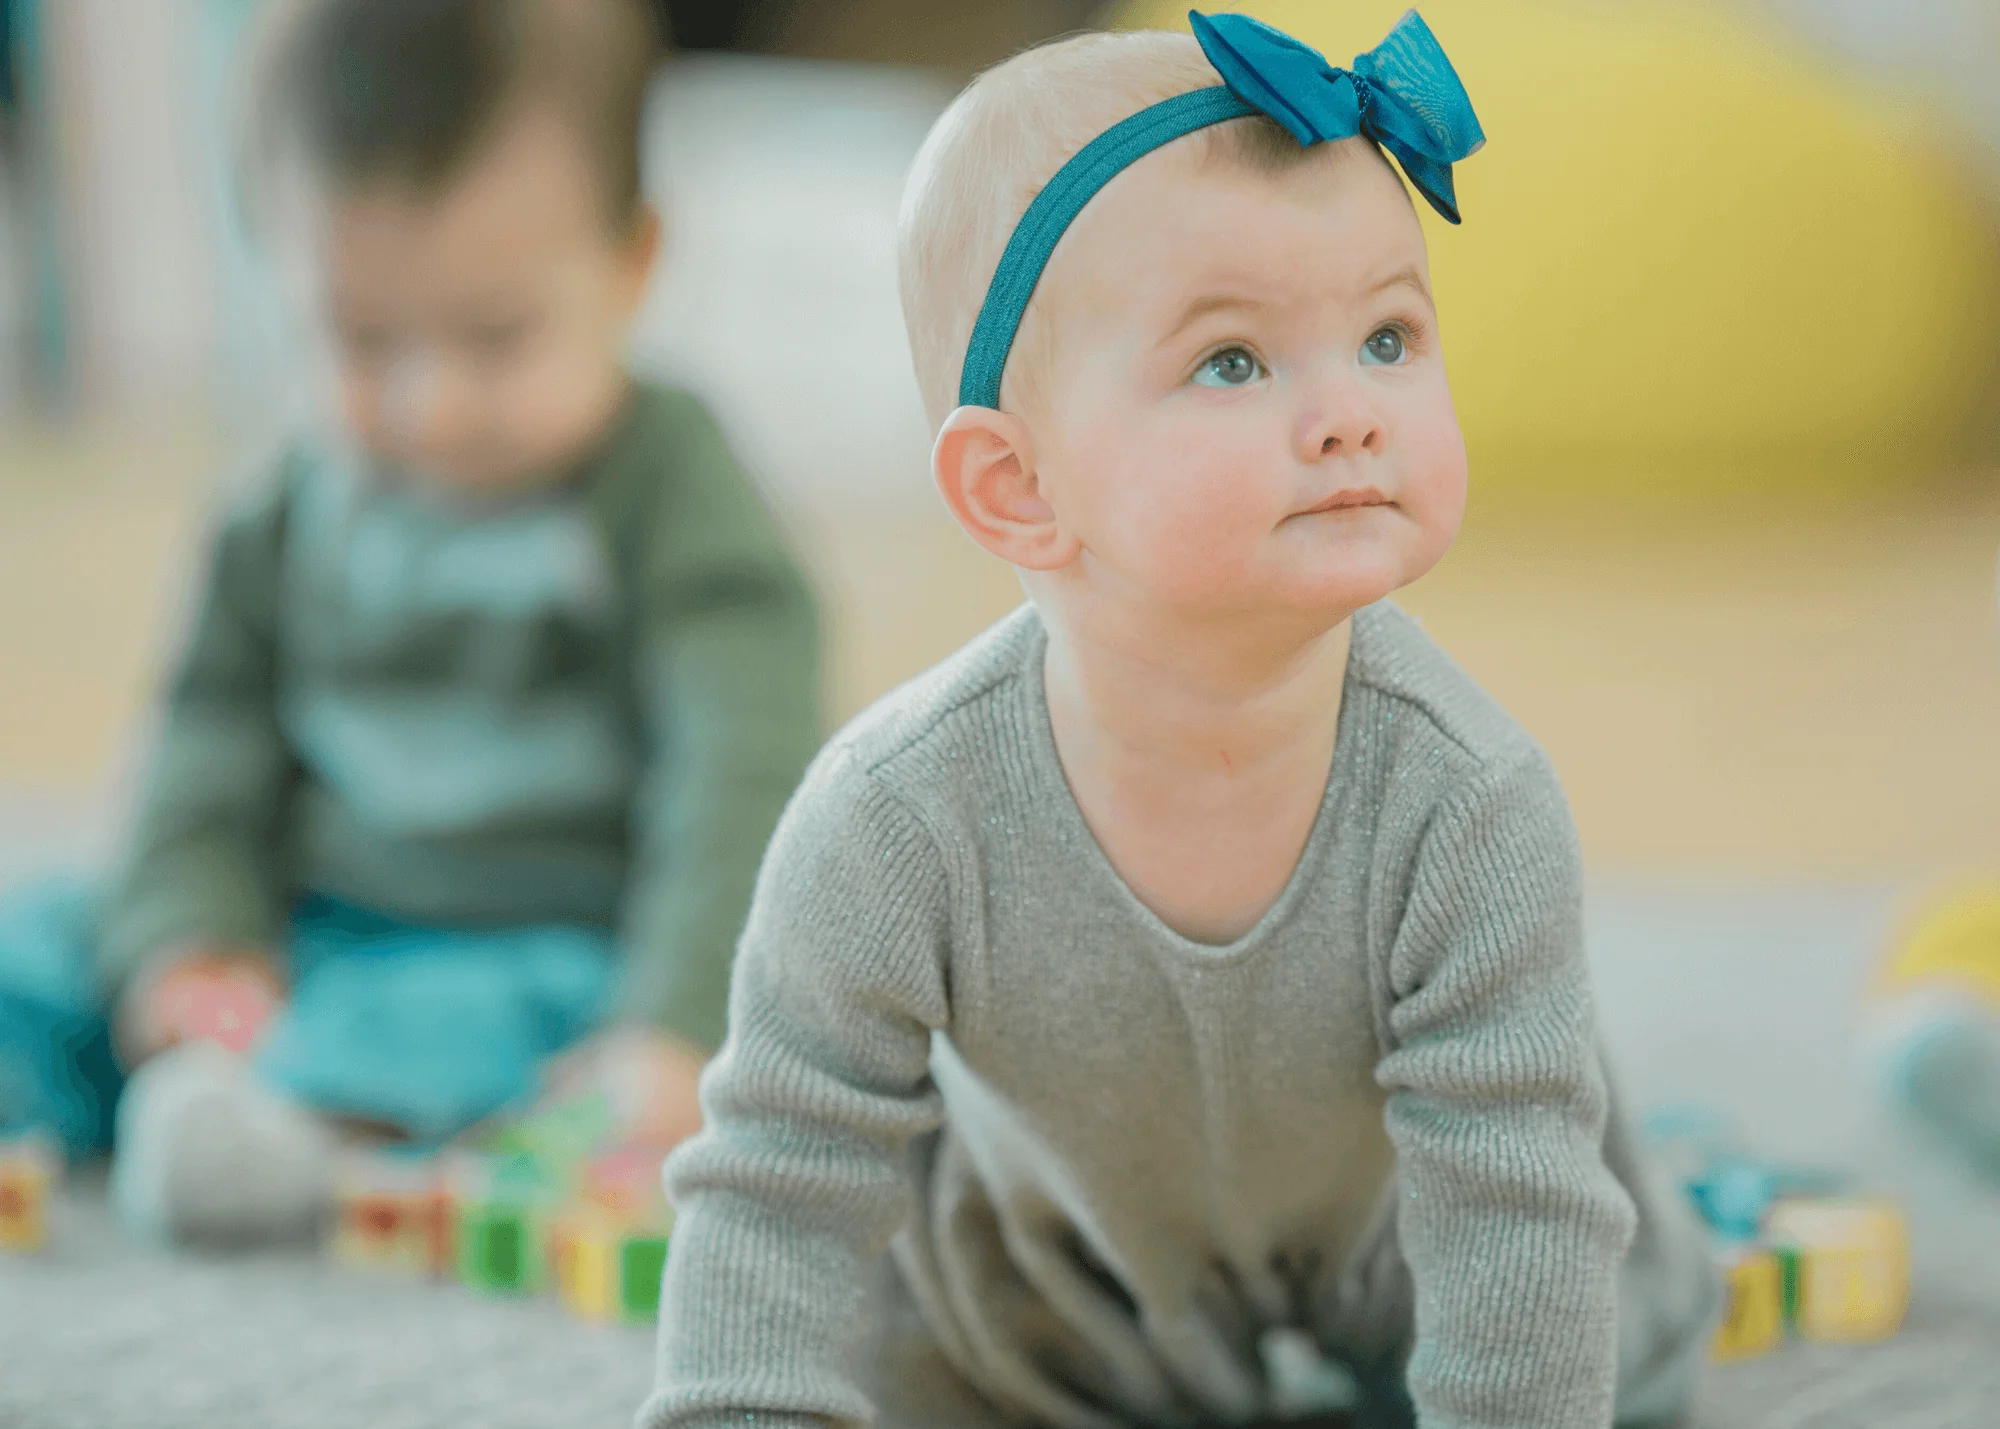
[(428, 1029)]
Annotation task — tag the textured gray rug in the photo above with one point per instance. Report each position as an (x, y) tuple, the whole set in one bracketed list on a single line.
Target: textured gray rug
[(1737, 998), (100, 1335)]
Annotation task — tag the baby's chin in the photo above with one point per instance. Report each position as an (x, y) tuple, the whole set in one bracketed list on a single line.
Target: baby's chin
[(1335, 583), (1351, 558)]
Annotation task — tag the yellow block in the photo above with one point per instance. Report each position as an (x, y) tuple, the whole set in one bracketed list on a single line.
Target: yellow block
[(1854, 1267), (1691, 258), (593, 1267), (1753, 1320), (24, 1203)]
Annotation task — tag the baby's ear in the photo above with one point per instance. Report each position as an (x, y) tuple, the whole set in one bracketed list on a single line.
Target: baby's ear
[(984, 465)]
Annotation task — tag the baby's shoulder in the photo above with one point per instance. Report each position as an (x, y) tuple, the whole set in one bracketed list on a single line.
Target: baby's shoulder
[(942, 728), (1427, 714), (916, 766)]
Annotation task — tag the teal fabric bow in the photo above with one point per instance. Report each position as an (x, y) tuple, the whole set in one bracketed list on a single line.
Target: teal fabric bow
[(1403, 94)]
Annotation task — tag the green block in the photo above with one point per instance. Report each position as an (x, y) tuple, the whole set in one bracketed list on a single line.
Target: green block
[(642, 1261), (497, 1249), (1789, 1264)]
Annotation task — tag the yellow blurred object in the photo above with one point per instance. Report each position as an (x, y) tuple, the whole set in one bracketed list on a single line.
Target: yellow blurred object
[(1753, 1320), (1955, 943), (1690, 258), (1854, 1267), (587, 1282), (30, 1168)]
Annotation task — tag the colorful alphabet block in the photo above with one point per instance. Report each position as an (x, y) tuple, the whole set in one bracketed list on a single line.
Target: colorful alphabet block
[(1753, 1321), (1850, 1281), (498, 1249), (606, 1269), (395, 1211), (30, 1168)]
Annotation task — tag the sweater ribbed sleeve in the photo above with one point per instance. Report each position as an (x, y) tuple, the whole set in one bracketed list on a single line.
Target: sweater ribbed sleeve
[(1512, 1225), (802, 1175)]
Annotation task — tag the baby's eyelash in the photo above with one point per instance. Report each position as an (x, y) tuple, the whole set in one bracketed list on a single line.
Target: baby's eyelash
[(1216, 349), (1414, 329)]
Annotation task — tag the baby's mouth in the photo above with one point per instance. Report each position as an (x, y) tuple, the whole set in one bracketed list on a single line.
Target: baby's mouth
[(1348, 498)]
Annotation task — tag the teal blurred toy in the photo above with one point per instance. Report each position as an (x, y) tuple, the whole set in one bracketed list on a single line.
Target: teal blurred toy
[(1733, 1190)]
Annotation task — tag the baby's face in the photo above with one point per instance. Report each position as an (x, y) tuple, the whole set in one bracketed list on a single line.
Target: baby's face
[(1245, 407), (473, 336)]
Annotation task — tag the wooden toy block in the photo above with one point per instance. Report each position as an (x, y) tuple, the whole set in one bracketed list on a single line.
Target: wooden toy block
[(559, 1239), (497, 1247), (1852, 1282), (30, 1169), (438, 1228), (594, 1274), (394, 1211), (607, 1269), (643, 1261), (1789, 1267), (378, 1230), (1753, 1321)]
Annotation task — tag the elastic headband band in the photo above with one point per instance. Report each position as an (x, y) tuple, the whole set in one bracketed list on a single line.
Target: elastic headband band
[(1403, 94)]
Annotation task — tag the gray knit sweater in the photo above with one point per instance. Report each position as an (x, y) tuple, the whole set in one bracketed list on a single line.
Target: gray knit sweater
[(1109, 1158)]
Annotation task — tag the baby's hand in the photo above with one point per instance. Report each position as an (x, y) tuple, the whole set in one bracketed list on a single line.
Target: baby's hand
[(648, 1076), (218, 991)]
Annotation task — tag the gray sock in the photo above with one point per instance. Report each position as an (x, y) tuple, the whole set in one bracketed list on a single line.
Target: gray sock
[(207, 1155)]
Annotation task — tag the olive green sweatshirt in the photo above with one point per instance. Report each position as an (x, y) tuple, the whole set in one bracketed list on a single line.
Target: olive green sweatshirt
[(583, 705)]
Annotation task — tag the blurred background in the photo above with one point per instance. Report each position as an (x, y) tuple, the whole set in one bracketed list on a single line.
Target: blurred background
[(1724, 326)]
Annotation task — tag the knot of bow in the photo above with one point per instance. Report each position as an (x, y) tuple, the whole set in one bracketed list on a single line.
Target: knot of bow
[(1403, 94)]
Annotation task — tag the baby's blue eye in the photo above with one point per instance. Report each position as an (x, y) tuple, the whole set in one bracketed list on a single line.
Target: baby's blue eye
[(1231, 367), (1384, 347)]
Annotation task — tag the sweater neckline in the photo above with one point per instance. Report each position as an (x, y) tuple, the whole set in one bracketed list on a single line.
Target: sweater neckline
[(1076, 831)]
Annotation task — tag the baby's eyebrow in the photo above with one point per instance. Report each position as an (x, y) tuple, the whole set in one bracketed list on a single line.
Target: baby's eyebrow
[(1410, 277), (1210, 303)]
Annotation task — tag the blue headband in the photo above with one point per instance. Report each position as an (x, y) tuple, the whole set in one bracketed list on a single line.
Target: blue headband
[(1403, 94)]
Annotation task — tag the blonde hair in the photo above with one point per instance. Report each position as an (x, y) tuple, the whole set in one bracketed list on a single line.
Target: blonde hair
[(992, 151)]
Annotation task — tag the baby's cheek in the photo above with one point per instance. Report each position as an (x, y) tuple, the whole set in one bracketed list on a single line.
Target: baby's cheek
[(546, 407), (1435, 483), (360, 407), (1199, 539)]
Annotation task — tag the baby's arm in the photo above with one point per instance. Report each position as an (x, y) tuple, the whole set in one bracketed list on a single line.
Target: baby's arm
[(727, 664), (801, 1174), (1513, 1227), (202, 866)]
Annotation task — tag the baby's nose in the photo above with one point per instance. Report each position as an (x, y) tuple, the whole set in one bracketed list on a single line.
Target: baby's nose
[(1342, 428)]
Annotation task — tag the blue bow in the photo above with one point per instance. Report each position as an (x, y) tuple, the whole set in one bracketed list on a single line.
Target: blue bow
[(1403, 94)]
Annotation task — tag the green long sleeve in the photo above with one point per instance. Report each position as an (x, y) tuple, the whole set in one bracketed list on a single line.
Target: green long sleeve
[(204, 854), (725, 659)]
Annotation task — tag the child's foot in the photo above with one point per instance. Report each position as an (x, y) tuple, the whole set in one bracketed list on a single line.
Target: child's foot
[(206, 1155)]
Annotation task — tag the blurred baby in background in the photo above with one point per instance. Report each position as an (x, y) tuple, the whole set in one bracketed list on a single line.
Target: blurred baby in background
[(498, 680)]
